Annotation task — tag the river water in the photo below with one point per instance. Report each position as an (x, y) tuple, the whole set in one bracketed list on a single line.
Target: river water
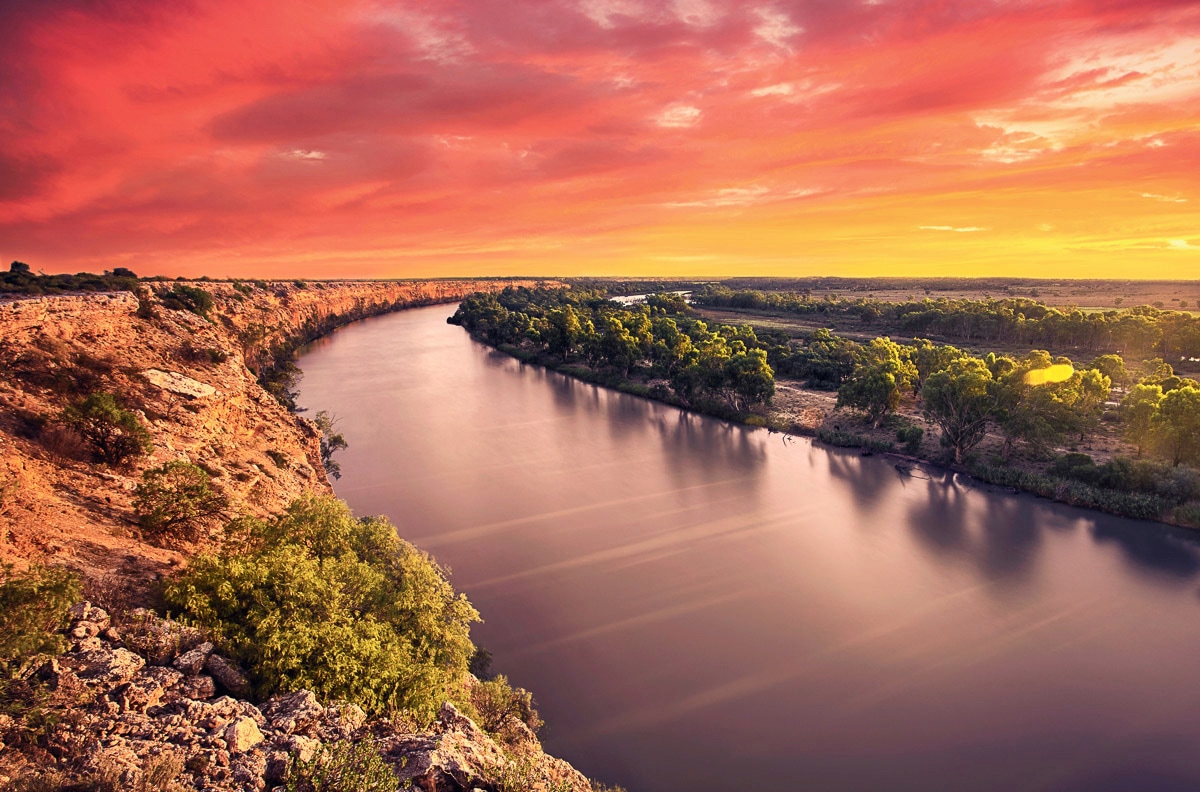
[(705, 607)]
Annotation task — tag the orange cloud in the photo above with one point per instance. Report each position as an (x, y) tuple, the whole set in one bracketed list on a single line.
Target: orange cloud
[(262, 138)]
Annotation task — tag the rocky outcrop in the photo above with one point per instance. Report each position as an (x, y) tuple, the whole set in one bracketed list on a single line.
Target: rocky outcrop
[(120, 713)]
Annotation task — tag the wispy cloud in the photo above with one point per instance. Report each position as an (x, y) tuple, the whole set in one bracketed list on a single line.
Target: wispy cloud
[(1164, 198), (957, 229), (678, 116)]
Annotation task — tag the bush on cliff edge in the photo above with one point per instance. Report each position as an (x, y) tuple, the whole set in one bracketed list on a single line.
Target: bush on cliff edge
[(316, 599)]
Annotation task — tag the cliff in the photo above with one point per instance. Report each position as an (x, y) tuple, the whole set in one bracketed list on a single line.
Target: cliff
[(139, 702), (193, 383)]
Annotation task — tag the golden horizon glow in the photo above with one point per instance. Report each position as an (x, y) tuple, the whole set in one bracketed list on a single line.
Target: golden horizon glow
[(676, 138)]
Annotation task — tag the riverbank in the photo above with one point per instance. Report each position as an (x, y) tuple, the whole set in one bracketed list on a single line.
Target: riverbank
[(811, 413)]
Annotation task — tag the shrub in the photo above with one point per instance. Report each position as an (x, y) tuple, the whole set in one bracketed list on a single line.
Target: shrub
[(182, 297), (499, 705), (911, 436), (343, 766), (172, 500), (33, 611), (1188, 514), (116, 434), (316, 599)]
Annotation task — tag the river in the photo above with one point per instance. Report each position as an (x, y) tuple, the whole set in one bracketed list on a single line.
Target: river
[(701, 606)]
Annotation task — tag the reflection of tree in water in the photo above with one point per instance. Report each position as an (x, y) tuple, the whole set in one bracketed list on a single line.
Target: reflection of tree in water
[(1157, 548), (869, 480), (939, 522), (698, 449)]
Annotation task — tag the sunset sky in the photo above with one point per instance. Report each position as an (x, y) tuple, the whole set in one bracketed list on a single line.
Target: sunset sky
[(693, 137)]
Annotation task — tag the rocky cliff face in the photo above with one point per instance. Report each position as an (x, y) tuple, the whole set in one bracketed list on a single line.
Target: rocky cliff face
[(190, 380), (140, 702)]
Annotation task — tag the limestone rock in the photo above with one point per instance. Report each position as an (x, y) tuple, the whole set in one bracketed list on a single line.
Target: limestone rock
[(200, 687), (159, 640), (192, 662), (297, 712), (242, 735), (113, 666), (178, 383), (228, 675)]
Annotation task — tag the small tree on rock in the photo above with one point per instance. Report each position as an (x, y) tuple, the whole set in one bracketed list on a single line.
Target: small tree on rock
[(174, 498), (116, 434)]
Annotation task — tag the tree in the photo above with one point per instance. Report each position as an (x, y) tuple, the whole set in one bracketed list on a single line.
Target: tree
[(750, 378), (563, 331), (1139, 409), (617, 347), (174, 498), (882, 372), (1177, 424), (331, 442), (116, 434), (960, 400), (928, 358), (1113, 367)]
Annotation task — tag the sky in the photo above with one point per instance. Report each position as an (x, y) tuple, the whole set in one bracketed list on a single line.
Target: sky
[(348, 138)]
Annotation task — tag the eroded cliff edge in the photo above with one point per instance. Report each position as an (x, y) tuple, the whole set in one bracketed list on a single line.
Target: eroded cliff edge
[(194, 382)]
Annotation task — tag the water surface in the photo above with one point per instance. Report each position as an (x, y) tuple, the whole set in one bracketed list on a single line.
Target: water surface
[(703, 606)]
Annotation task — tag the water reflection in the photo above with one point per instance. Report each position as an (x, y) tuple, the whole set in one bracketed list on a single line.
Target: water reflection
[(689, 598)]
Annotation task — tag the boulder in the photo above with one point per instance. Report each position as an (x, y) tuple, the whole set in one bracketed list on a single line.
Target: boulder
[(157, 639), (459, 755), (111, 666), (178, 383), (294, 712), (192, 662), (200, 687), (242, 735), (227, 674), (146, 689)]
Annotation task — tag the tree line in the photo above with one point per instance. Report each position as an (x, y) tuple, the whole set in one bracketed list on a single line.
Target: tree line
[(723, 366), (1141, 330)]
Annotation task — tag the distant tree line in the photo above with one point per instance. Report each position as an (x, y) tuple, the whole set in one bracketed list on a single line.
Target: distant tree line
[(1142, 330), (21, 280)]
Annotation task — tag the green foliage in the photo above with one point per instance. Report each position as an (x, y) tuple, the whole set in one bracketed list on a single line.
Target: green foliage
[(343, 766), (723, 369), (21, 280), (182, 297), (341, 606), (497, 706), (961, 401), (172, 500), (1176, 425), (116, 434), (33, 611), (1139, 408), (882, 372), (1127, 504), (911, 436), (331, 442)]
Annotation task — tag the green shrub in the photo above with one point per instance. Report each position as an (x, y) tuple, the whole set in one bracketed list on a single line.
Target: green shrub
[(316, 599), (174, 498), (182, 297), (33, 612), (115, 434), (498, 705), (911, 436), (1188, 514), (343, 766)]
